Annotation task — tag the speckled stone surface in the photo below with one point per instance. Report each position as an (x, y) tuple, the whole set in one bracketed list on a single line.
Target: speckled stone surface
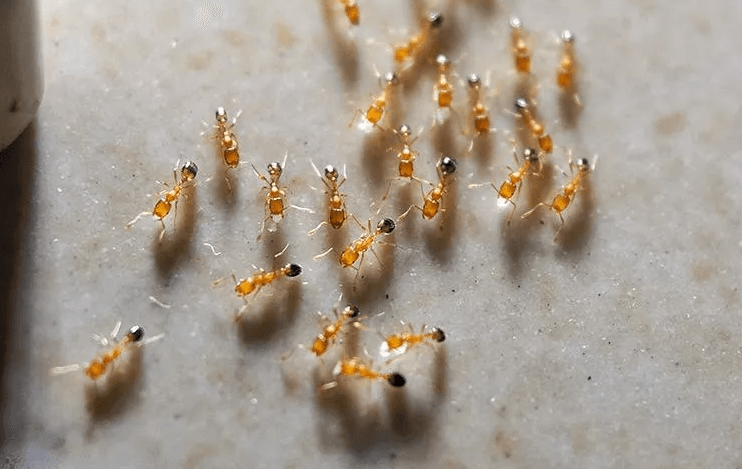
[(617, 346)]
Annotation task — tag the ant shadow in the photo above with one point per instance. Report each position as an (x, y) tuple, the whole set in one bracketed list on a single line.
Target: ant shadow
[(375, 147), (274, 242), (569, 106), (109, 398), (344, 47), (227, 190), (275, 315), (443, 136), (365, 286), (485, 8), (175, 245), (577, 231), (439, 240), (483, 148)]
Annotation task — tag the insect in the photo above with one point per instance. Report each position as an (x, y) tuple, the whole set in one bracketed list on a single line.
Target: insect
[(114, 349), (536, 128), (479, 112), (519, 43), (245, 287), (336, 200), (511, 186), (358, 247), (566, 72), (375, 111), (564, 197), (407, 51), (443, 89), (397, 344), (329, 334), (228, 143), (356, 367), (406, 155), (432, 200), (351, 11), (170, 196)]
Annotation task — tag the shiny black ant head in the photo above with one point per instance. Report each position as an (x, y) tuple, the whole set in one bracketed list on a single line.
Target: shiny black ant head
[(352, 311), (188, 171), (136, 333), (386, 225), (520, 104), (474, 81), (439, 335), (293, 270), (447, 165), (275, 169), (331, 173), (568, 37), (515, 22), (397, 380), (221, 114), (435, 19), (442, 62), (582, 164), (391, 78), (530, 155)]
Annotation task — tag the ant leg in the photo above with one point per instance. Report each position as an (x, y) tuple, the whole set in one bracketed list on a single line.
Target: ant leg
[(321, 255), (528, 213), (560, 226), (383, 198), (136, 219), (315, 229), (162, 232), (359, 223), (512, 211), (401, 217)]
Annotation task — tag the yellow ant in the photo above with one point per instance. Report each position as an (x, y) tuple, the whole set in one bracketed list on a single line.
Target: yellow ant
[(245, 287), (443, 89), (351, 11), (519, 43), (409, 50), (479, 112), (406, 155), (566, 72), (170, 196), (536, 128), (114, 349), (432, 200), (375, 111), (329, 334), (336, 202), (511, 186), (228, 143), (397, 344), (275, 198), (356, 367), (564, 197)]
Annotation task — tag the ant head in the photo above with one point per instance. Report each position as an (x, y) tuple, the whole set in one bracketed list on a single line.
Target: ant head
[(352, 311), (405, 131), (293, 270), (397, 380), (520, 104), (583, 165), (221, 114), (443, 63), (439, 335), (568, 37), (515, 22), (474, 81), (386, 225), (530, 155), (391, 78), (275, 169), (136, 333), (189, 171), (331, 173), (435, 19), (447, 165)]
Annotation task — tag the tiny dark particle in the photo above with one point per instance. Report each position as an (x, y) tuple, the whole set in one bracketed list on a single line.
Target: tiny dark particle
[(589, 378)]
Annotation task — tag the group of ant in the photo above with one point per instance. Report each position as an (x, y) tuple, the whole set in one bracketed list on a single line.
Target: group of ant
[(352, 255)]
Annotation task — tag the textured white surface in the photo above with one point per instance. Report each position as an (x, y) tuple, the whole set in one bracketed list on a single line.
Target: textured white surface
[(617, 347)]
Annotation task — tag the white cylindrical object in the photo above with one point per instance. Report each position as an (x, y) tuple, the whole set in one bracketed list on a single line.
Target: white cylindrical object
[(21, 73)]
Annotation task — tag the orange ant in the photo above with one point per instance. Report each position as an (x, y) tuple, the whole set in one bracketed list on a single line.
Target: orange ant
[(566, 71), (397, 344), (275, 203), (408, 50), (168, 197), (563, 198), (336, 203), (544, 139), (100, 364), (329, 333), (375, 112), (443, 89), (355, 367), (520, 47), (244, 287), (351, 11), (406, 155), (432, 200), (227, 140), (511, 186), (357, 249), (480, 113)]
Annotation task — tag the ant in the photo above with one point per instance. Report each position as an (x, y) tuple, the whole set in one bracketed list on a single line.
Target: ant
[(336, 203), (168, 197), (104, 361), (563, 198), (511, 186), (275, 202), (432, 200), (227, 140), (408, 50), (375, 112), (261, 278), (397, 344), (354, 366), (443, 89), (351, 11), (566, 72), (357, 249), (329, 333), (406, 155), (480, 113), (544, 139), (519, 43)]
